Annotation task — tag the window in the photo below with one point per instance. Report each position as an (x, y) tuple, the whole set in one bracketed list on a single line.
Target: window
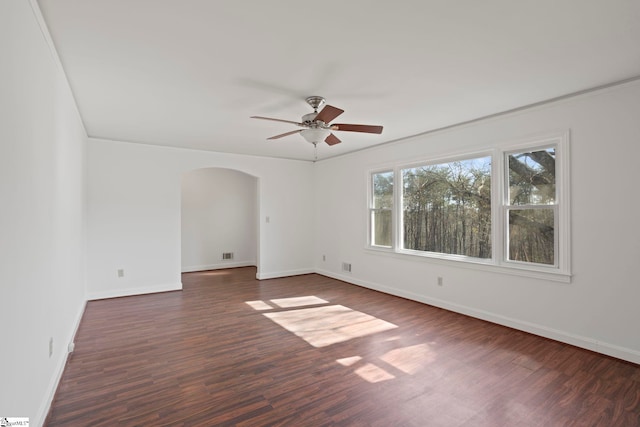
[(507, 209), (446, 208), (531, 206), (380, 210)]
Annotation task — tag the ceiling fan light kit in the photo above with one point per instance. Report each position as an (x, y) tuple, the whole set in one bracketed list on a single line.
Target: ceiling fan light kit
[(315, 135), (317, 127)]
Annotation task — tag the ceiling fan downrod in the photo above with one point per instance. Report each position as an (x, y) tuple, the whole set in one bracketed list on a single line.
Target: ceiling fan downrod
[(315, 102)]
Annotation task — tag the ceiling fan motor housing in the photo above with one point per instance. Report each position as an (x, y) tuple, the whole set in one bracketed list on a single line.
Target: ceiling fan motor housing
[(309, 120)]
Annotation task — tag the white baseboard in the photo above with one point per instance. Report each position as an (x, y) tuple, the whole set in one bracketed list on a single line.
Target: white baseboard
[(532, 328), (55, 379), (219, 266), (278, 274), (115, 293)]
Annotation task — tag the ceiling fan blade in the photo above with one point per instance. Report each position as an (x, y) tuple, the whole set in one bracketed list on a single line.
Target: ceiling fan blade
[(332, 139), (276, 120), (357, 128), (286, 134), (328, 113)]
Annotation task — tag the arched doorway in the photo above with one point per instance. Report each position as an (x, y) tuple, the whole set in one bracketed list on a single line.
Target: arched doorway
[(219, 221)]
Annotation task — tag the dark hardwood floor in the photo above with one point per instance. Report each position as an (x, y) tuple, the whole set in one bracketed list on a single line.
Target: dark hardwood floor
[(229, 350)]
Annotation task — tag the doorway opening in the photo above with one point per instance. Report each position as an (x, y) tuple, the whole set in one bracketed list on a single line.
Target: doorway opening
[(219, 221)]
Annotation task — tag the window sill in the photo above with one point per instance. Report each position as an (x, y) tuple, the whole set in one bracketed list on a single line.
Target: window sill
[(458, 261)]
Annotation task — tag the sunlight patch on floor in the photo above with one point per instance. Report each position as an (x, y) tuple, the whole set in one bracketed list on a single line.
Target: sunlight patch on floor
[(298, 301), (214, 273), (292, 302), (348, 361), (409, 359), (332, 324), (323, 326), (259, 305), (373, 373)]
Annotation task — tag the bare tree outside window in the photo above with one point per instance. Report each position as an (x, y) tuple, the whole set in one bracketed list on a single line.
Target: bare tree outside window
[(381, 209), (507, 208), (532, 208), (447, 208)]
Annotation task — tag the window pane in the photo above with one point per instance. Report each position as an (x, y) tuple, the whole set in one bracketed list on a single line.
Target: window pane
[(381, 209), (531, 235), (532, 177), (383, 190), (381, 227), (447, 208)]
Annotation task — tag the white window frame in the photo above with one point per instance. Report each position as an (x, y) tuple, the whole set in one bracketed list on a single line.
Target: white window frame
[(562, 229), (371, 209), (499, 262)]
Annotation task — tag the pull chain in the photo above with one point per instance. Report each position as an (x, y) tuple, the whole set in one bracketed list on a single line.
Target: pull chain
[(315, 151)]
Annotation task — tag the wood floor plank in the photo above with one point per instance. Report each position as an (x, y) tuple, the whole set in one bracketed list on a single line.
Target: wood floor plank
[(229, 350)]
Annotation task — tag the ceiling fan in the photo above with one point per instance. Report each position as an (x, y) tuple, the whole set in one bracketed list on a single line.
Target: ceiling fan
[(317, 127)]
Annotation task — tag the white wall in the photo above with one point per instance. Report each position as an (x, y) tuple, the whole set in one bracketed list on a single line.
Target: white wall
[(598, 309), (134, 207), (219, 214), (42, 186), (134, 220)]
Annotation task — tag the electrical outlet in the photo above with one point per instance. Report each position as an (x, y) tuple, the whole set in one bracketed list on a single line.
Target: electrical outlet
[(121, 273), (439, 281), (324, 257), (50, 347)]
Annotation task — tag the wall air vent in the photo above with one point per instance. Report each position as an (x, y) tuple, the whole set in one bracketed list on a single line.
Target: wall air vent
[(227, 255)]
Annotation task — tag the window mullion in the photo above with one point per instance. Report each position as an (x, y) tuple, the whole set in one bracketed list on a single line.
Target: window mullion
[(396, 215), (499, 197)]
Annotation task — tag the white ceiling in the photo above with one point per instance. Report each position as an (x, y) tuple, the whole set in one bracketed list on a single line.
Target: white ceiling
[(189, 73)]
